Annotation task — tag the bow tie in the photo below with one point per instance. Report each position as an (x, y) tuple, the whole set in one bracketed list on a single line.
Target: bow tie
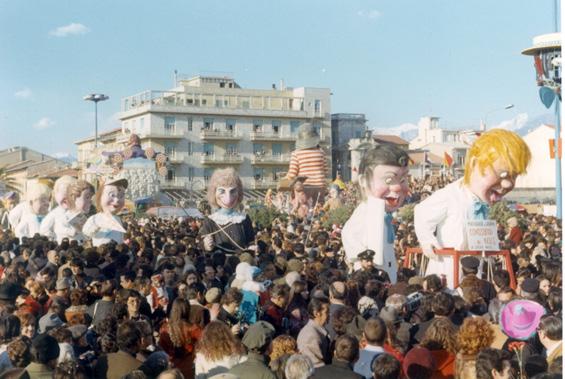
[(389, 228), (480, 210)]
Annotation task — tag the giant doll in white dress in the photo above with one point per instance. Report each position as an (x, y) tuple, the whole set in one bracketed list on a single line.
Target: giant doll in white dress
[(105, 226), (492, 164), (383, 178)]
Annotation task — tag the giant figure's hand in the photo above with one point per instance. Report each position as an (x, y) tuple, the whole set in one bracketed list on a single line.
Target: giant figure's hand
[(208, 243), (428, 251)]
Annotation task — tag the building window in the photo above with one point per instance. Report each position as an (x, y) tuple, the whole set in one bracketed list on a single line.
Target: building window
[(142, 125), (189, 123), (317, 106), (169, 125), (258, 173), (170, 175), (190, 173), (189, 148), (277, 171), (207, 174), (231, 149), (258, 149), (257, 126), (170, 150), (222, 84), (208, 149), (276, 126), (208, 124), (230, 125), (277, 149), (294, 125)]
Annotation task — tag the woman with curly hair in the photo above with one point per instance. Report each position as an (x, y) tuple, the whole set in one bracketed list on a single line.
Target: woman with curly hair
[(178, 337), (280, 346), (474, 335), (217, 351), (441, 340)]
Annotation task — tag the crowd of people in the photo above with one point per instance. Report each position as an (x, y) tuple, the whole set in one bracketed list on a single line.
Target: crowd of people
[(162, 305)]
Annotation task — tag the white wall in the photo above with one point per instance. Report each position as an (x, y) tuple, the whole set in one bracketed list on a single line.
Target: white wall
[(541, 171)]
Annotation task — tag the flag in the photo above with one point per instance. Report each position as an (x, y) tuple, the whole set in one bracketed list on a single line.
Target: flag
[(552, 148), (447, 159)]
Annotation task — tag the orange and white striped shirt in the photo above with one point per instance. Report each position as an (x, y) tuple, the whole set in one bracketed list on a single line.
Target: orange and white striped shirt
[(310, 163)]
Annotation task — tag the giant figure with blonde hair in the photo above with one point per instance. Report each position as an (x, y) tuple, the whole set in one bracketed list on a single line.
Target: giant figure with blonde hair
[(226, 228), (53, 224), (492, 164)]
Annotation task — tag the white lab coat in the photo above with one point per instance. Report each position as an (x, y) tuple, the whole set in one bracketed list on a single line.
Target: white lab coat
[(366, 229), (445, 213), (103, 229), (55, 225), (28, 225)]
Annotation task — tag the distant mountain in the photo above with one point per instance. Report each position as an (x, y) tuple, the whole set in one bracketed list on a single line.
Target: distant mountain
[(548, 119), (65, 157)]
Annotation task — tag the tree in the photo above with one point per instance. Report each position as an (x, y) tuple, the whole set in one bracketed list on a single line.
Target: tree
[(7, 182)]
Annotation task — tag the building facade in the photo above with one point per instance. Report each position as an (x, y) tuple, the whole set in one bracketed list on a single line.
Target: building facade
[(345, 127), (210, 122)]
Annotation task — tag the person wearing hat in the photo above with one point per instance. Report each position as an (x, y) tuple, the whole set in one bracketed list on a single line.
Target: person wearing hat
[(470, 268), (529, 290), (367, 265), (256, 339), (309, 160), (106, 226), (383, 178)]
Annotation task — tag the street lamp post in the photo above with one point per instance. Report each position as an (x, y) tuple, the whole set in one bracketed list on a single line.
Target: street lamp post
[(484, 119), (96, 97)]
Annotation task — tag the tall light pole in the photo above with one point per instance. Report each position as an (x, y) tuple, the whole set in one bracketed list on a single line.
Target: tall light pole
[(484, 119), (96, 97)]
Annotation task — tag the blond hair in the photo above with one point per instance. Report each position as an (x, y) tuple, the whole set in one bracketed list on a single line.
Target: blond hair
[(494, 145), (226, 177), (63, 183), (38, 190)]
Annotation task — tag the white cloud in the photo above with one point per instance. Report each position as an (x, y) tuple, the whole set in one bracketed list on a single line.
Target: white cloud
[(370, 14), (515, 123), (44, 123), (24, 93), (68, 30)]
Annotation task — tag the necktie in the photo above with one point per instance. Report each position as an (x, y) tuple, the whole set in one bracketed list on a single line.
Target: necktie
[(480, 210), (389, 228)]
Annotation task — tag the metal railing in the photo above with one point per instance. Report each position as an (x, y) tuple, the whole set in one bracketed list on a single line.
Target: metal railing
[(225, 158)]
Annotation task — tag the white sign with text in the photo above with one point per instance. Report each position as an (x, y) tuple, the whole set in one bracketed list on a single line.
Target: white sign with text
[(482, 235)]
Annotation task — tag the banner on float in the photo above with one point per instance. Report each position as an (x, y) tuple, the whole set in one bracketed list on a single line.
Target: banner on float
[(482, 235)]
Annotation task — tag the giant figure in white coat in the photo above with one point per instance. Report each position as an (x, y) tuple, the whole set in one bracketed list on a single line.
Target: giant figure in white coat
[(492, 164), (383, 178)]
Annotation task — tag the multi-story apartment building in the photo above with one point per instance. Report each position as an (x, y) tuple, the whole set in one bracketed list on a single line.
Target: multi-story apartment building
[(345, 126), (209, 122)]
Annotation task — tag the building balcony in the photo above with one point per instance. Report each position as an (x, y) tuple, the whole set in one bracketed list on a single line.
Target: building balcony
[(175, 158), (221, 102), (270, 159), (219, 135), (263, 183), (271, 136), (221, 159)]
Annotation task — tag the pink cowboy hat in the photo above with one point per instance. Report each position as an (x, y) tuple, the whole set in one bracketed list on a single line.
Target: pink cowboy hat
[(519, 319)]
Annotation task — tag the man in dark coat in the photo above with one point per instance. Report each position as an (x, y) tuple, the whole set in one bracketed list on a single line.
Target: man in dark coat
[(345, 355)]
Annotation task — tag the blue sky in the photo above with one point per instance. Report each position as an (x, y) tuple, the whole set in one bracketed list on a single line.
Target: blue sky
[(394, 60)]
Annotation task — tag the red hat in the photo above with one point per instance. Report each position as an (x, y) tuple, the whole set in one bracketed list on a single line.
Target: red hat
[(417, 360)]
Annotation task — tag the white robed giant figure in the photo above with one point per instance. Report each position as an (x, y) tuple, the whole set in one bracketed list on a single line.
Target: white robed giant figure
[(383, 178), (493, 162)]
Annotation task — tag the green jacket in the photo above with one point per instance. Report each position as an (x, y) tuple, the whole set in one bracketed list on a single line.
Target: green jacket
[(253, 368)]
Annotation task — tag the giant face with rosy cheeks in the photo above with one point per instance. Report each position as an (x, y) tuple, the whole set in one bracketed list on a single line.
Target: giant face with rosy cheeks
[(112, 199), (493, 183), (227, 197), (389, 183)]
